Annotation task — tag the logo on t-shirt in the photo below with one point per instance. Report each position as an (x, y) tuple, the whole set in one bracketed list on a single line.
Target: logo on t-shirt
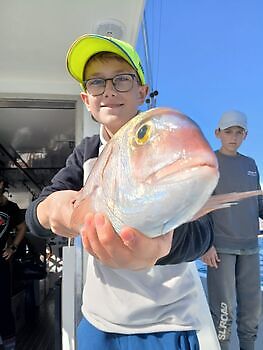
[(251, 173), (4, 222)]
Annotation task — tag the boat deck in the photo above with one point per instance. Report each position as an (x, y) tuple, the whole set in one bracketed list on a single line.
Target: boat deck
[(41, 330)]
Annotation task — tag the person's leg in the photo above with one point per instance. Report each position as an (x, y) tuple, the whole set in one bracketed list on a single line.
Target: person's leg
[(90, 338), (248, 299), (221, 296)]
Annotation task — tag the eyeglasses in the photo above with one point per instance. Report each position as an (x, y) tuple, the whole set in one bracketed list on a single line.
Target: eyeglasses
[(121, 83)]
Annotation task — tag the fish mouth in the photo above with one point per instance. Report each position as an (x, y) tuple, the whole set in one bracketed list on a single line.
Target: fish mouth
[(180, 169)]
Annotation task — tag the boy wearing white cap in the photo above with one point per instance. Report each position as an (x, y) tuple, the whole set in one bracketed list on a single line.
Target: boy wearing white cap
[(233, 260), (140, 292)]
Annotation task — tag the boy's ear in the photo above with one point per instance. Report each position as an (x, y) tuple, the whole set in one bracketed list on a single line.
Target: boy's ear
[(143, 92), (217, 133), (85, 99)]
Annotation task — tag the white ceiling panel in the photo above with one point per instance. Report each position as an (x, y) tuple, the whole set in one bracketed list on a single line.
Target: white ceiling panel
[(35, 36)]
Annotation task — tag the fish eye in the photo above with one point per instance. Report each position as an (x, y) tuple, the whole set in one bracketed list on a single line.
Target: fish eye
[(143, 134)]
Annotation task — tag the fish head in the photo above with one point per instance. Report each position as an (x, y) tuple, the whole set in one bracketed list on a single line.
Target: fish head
[(172, 169), (165, 143)]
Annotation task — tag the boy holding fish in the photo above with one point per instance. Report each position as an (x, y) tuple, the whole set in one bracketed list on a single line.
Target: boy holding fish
[(233, 260), (140, 291)]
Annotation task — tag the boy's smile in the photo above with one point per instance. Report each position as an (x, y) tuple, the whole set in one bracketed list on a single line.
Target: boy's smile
[(113, 108)]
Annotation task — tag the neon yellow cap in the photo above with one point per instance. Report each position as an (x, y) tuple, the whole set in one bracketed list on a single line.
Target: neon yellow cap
[(89, 44)]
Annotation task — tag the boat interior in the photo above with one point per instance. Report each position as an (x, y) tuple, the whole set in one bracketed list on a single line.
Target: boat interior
[(42, 119)]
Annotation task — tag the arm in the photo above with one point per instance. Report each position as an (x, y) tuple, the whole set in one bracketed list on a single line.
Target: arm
[(20, 231), (190, 241), (48, 215), (52, 210), (211, 258), (131, 249)]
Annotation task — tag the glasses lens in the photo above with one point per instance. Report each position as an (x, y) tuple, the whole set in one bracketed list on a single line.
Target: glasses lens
[(123, 82), (95, 86)]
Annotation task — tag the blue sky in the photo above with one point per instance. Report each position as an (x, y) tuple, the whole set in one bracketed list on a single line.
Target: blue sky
[(207, 58)]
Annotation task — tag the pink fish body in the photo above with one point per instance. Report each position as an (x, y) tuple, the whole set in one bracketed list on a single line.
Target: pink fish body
[(155, 173)]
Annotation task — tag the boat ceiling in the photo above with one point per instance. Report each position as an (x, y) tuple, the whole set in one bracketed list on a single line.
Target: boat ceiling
[(35, 36), (37, 95)]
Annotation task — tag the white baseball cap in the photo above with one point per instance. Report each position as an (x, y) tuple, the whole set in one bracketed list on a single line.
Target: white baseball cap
[(232, 118)]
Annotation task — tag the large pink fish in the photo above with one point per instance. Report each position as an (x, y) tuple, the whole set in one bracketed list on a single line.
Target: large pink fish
[(157, 172)]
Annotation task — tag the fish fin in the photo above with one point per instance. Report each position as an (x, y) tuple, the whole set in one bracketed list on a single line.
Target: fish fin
[(221, 201)]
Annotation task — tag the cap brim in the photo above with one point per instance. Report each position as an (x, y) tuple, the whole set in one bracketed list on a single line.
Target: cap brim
[(87, 46), (230, 124)]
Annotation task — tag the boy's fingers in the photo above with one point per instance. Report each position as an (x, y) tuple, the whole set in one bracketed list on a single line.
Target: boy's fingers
[(214, 264), (106, 236), (84, 233), (90, 238), (102, 241), (214, 261)]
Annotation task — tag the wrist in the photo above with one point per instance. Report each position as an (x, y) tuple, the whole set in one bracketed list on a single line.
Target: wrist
[(13, 247), (41, 211)]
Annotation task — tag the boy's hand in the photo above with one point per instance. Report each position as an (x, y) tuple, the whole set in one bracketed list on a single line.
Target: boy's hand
[(129, 250), (55, 212), (211, 258)]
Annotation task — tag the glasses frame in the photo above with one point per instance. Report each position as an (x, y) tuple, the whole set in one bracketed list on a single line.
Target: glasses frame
[(134, 77)]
